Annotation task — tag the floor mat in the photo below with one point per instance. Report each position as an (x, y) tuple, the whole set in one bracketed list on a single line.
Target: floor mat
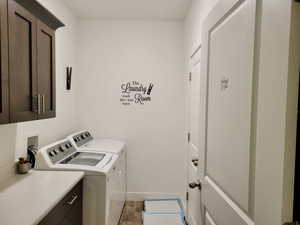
[(163, 212), (170, 205), (162, 219)]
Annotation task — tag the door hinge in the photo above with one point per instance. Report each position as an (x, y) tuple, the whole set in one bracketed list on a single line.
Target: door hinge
[(187, 196), (190, 76), (189, 137)]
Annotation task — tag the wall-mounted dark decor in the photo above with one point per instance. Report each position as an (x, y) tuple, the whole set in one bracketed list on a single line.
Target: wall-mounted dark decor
[(69, 77)]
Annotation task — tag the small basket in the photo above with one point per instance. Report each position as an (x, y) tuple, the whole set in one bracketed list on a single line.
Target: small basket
[(23, 166)]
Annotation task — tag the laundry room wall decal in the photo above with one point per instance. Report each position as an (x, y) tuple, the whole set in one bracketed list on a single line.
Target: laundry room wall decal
[(135, 92)]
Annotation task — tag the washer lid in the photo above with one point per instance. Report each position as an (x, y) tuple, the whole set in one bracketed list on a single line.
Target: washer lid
[(84, 158), (106, 145), (93, 161)]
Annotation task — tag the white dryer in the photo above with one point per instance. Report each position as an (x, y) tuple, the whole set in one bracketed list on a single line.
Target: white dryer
[(84, 141), (101, 182)]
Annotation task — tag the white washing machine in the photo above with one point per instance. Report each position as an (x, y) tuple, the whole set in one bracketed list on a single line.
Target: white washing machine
[(84, 141), (101, 182)]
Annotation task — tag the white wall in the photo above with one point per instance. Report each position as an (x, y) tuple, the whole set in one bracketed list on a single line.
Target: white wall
[(114, 52), (13, 138), (197, 12)]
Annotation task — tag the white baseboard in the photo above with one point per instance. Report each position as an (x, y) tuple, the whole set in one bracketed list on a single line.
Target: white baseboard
[(140, 196)]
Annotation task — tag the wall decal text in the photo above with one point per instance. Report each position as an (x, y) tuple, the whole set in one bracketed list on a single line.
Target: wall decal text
[(135, 92)]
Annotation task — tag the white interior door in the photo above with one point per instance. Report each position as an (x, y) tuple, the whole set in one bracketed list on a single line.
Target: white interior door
[(226, 159), (193, 203)]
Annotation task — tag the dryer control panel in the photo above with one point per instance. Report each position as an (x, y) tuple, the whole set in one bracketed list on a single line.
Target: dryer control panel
[(60, 151), (82, 138)]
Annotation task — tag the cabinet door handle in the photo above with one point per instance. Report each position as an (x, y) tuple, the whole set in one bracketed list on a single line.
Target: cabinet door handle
[(73, 200), (43, 99), (39, 104)]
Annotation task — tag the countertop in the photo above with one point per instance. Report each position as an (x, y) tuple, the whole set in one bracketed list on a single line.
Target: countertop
[(27, 199)]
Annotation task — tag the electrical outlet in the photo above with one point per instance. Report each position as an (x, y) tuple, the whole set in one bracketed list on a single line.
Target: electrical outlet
[(33, 142)]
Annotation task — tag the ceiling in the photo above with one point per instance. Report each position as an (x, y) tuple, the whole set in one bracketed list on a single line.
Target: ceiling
[(129, 9)]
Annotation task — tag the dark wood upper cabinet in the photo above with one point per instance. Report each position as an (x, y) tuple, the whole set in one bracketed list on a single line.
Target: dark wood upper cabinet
[(27, 61), (22, 64), (4, 90), (46, 69)]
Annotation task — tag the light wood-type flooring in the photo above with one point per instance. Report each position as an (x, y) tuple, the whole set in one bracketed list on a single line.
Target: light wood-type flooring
[(132, 213)]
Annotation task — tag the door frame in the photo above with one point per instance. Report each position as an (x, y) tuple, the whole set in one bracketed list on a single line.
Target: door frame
[(275, 180), (194, 60)]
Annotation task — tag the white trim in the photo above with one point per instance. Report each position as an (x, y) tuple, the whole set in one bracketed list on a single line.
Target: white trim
[(195, 52), (210, 220), (236, 208)]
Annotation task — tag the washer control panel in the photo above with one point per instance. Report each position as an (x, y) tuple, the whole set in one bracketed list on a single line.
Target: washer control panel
[(60, 151), (82, 138)]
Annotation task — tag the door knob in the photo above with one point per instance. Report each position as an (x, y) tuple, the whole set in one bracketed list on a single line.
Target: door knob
[(195, 185), (195, 162)]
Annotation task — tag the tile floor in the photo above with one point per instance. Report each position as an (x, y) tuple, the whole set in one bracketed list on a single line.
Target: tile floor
[(132, 214)]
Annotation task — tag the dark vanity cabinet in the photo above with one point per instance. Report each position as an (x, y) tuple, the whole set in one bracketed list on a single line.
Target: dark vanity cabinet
[(68, 211), (27, 61)]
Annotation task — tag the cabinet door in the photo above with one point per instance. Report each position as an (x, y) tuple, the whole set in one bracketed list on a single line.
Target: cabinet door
[(4, 94), (74, 217), (22, 63), (68, 211), (46, 69)]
